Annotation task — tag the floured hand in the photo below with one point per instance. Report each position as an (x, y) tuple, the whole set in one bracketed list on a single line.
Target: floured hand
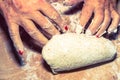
[(22, 13), (105, 16)]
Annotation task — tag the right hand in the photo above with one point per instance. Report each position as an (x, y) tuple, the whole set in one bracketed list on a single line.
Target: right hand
[(22, 13)]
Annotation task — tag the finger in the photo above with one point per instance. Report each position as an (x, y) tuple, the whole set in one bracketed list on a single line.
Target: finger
[(79, 29), (15, 36), (115, 21), (44, 23), (50, 12), (97, 20), (34, 32), (105, 24), (86, 13)]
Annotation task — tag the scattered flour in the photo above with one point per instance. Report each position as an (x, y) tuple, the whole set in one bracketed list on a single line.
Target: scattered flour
[(74, 19), (29, 68)]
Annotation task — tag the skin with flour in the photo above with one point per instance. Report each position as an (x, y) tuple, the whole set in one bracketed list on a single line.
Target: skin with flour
[(20, 13), (104, 12)]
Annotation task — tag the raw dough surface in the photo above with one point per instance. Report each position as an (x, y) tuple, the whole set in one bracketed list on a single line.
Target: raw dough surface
[(70, 51)]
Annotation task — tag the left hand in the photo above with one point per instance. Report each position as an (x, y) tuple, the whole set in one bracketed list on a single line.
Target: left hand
[(22, 13)]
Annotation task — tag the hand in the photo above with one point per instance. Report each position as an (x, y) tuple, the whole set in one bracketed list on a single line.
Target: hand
[(22, 13), (105, 16)]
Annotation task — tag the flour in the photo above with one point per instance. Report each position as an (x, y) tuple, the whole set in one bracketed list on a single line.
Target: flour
[(29, 68)]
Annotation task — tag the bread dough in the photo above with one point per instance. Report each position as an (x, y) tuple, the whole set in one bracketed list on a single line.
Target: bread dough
[(71, 51)]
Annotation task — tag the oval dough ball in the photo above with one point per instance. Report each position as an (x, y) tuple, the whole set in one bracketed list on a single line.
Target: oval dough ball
[(71, 51)]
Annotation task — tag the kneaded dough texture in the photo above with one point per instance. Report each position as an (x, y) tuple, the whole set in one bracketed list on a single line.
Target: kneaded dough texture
[(70, 51)]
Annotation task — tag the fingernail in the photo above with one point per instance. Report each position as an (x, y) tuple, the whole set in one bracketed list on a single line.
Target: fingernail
[(22, 57), (99, 35), (79, 29), (66, 28), (20, 52), (88, 32)]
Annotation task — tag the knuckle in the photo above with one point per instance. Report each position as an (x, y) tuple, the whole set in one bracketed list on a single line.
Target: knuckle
[(100, 13), (51, 29), (55, 16), (47, 25), (100, 17), (107, 18), (12, 33), (32, 32), (118, 17), (115, 14)]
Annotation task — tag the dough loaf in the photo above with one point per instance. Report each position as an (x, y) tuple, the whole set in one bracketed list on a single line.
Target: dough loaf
[(70, 51)]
